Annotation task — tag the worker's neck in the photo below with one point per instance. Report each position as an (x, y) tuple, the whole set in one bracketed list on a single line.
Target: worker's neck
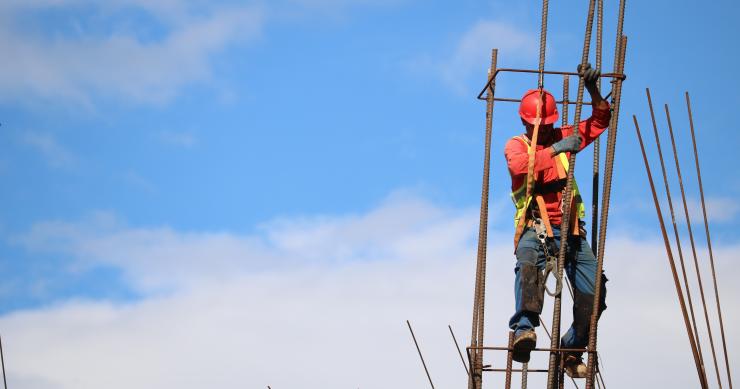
[(544, 134)]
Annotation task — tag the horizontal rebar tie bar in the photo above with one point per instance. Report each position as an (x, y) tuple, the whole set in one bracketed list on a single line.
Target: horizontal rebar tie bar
[(502, 348), (517, 370), (619, 76), (510, 100)]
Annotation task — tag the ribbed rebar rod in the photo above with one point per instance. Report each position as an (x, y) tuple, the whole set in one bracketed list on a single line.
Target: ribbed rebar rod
[(540, 100), (693, 251), (709, 240), (597, 142), (476, 339), (420, 356), (695, 333), (515, 370), (611, 145), (669, 254), (525, 371), (509, 357), (2, 362), (554, 360), (620, 31), (457, 346), (544, 327), (543, 44)]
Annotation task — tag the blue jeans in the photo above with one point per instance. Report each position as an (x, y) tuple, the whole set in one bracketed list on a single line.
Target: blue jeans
[(580, 268)]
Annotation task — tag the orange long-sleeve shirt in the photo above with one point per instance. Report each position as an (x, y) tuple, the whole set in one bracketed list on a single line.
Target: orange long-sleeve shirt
[(544, 165)]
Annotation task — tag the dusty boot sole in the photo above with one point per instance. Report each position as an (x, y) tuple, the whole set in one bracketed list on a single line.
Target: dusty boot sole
[(574, 367), (578, 371), (522, 349)]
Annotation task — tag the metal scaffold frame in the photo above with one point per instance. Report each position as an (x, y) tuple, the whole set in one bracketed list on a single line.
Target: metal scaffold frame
[(475, 367), (477, 347)]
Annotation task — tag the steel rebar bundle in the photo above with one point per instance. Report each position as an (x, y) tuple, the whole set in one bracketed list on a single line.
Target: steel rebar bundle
[(695, 332), (554, 360), (671, 261), (709, 240), (696, 260), (620, 52)]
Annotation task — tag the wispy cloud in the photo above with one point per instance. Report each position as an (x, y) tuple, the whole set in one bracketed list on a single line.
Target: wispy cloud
[(471, 54), (719, 209), (160, 257), (121, 62), (46, 145), (320, 287)]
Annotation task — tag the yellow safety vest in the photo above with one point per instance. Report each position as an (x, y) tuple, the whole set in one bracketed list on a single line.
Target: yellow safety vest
[(522, 201)]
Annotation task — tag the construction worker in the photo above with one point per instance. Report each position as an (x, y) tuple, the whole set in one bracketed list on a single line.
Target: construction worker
[(538, 220)]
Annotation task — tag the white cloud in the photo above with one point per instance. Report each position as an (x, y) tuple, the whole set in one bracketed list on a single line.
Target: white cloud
[(163, 258), (121, 63), (719, 209), (49, 148), (119, 57), (321, 302), (472, 53)]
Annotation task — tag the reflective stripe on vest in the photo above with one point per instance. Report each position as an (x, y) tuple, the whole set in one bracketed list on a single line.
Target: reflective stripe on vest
[(521, 201)]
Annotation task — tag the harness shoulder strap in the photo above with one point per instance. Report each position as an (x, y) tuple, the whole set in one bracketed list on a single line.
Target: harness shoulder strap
[(543, 215), (560, 167)]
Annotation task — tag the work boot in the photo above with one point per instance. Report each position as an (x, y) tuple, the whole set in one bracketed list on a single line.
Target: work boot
[(574, 366), (524, 342)]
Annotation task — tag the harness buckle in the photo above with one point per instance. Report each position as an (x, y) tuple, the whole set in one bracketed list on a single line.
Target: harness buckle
[(540, 229), (551, 262)]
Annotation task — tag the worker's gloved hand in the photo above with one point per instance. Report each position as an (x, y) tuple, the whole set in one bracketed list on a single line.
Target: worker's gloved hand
[(571, 144), (590, 76)]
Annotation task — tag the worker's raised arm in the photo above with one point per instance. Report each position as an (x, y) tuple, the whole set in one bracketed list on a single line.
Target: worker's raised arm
[(591, 128)]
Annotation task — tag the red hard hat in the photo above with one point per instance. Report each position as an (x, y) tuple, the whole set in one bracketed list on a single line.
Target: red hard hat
[(528, 107)]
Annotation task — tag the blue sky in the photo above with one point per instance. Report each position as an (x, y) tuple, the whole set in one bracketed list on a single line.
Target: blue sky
[(138, 136)]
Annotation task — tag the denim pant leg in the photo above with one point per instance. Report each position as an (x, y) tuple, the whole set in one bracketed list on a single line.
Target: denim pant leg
[(529, 252), (581, 265), (581, 270)]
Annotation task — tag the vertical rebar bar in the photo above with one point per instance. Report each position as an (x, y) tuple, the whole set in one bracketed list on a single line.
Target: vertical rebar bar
[(509, 357), (620, 50), (476, 340), (611, 145), (553, 370), (525, 370), (543, 44), (420, 356), (540, 100), (597, 142), (544, 327), (669, 254), (693, 251), (709, 240)]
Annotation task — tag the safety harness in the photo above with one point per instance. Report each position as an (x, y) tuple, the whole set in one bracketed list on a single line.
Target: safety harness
[(534, 214)]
